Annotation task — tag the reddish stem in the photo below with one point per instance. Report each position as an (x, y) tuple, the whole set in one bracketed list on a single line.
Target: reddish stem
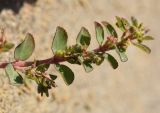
[(54, 59)]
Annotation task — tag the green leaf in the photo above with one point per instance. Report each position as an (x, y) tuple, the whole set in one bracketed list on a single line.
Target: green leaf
[(60, 40), (125, 22), (119, 23), (7, 46), (24, 50), (14, 76), (110, 29), (66, 72), (147, 38), (98, 60), (142, 47), (122, 23), (99, 33), (113, 62), (83, 38), (53, 77), (43, 67), (140, 26), (86, 65), (134, 21), (121, 54)]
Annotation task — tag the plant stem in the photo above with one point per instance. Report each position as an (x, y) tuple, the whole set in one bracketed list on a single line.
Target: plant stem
[(57, 59), (52, 60)]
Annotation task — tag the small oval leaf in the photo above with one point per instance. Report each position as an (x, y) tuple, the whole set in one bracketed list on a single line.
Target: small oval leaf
[(86, 65), (99, 33), (6, 47), (25, 49), (147, 38), (121, 54), (119, 23), (60, 40), (122, 23), (125, 22), (14, 76), (113, 62), (66, 72), (134, 21), (110, 29), (83, 38), (142, 47)]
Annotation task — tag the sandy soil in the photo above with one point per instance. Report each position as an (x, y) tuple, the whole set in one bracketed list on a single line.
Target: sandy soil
[(132, 88)]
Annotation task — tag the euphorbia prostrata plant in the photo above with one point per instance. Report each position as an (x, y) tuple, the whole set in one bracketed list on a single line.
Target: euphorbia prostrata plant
[(133, 33)]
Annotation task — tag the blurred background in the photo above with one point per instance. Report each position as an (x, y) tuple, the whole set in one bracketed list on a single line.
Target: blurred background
[(132, 88)]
